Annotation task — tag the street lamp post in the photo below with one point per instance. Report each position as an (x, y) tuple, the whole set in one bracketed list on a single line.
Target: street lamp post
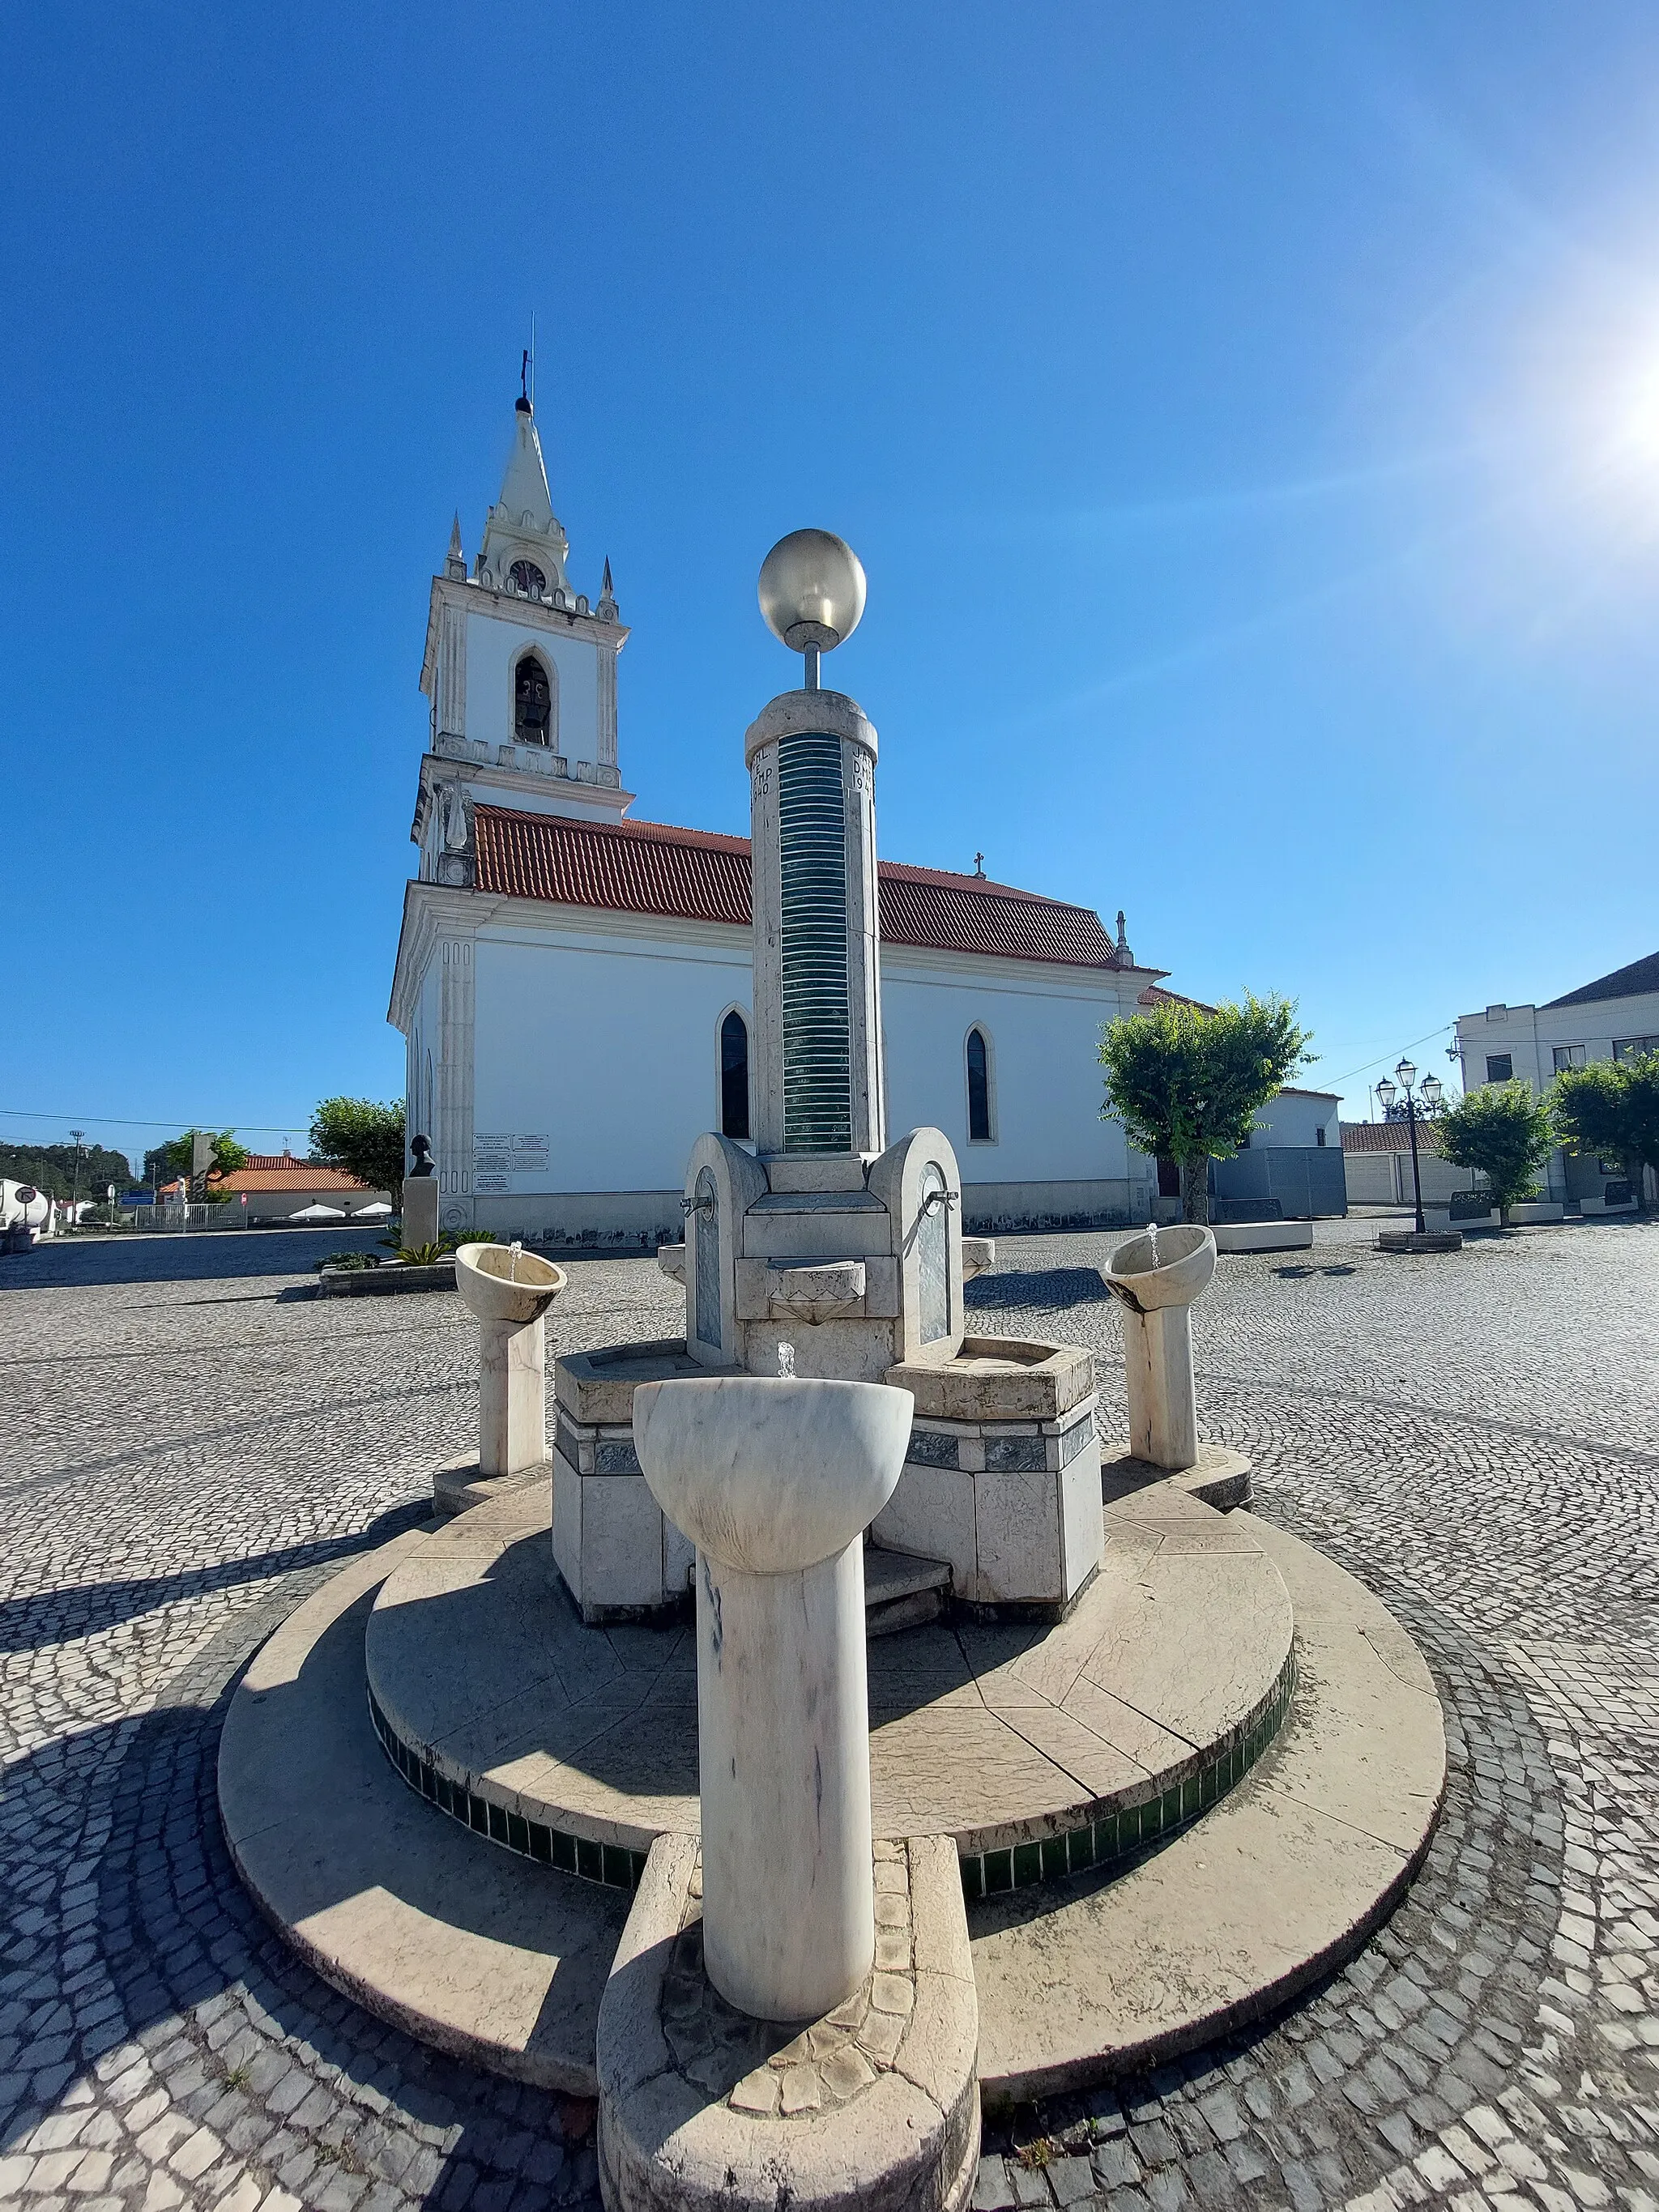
[(1432, 1087)]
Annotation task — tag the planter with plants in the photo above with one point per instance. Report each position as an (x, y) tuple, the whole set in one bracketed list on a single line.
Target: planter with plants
[(411, 1267)]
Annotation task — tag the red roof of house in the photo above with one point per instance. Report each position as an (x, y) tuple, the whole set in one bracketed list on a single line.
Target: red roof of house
[(694, 875), (268, 1171), (1388, 1136)]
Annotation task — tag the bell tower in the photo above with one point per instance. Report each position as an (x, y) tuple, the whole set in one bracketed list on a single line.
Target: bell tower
[(520, 675)]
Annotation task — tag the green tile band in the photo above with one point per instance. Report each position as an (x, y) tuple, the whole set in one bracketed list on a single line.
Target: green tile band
[(607, 1863), (1117, 1834), (818, 1098), (1112, 1835)]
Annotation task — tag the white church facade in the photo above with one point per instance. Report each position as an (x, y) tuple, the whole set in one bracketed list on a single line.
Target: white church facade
[(573, 987)]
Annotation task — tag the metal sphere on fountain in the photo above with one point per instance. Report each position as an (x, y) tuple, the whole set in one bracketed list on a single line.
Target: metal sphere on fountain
[(811, 590)]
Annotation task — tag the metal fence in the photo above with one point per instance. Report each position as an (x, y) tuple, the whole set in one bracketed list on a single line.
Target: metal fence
[(183, 1220), (1305, 1180)]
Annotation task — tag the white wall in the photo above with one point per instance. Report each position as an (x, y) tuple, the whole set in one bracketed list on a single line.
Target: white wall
[(606, 1046), (1045, 1067), (1529, 1034), (1385, 1178), (1296, 1117), (493, 647), (424, 1043)]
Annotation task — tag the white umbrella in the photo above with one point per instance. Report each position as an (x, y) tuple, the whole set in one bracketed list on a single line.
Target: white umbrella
[(318, 1214), (380, 1207)]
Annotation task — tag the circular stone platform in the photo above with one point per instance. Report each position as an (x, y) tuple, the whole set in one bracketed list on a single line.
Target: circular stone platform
[(1039, 1750)]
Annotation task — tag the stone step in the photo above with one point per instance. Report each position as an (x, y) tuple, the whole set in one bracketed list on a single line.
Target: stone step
[(902, 1589), (498, 1961), (1282, 1880)]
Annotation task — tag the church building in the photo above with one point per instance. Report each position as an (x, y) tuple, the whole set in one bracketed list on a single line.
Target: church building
[(574, 987)]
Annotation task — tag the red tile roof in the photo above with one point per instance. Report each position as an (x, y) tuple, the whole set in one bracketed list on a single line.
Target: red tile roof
[(268, 1171), (694, 875), (1388, 1136)]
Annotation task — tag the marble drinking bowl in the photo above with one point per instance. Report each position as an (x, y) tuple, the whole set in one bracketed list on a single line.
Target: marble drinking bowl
[(499, 1284), (770, 1476), (1184, 1265)]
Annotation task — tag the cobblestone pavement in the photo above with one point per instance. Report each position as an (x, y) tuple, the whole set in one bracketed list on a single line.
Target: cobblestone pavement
[(193, 1443)]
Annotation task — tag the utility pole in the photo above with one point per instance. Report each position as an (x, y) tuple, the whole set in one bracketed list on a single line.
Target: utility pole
[(79, 1136)]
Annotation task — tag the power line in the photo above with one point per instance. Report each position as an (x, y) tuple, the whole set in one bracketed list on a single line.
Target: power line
[(133, 1122), (1381, 1056)]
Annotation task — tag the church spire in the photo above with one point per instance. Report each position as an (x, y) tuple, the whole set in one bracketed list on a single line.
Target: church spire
[(455, 562), (525, 496), (606, 610), (524, 547)]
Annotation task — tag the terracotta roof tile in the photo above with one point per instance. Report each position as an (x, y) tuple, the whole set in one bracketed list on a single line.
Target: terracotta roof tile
[(1388, 1136), (644, 868), (268, 1171)]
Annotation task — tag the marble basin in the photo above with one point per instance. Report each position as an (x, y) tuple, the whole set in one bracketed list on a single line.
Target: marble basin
[(499, 1285), (1183, 1266), (770, 1476)]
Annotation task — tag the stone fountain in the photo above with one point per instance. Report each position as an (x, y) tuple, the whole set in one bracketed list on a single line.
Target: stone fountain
[(786, 1894), (827, 1237), (507, 1291), (1156, 1278)]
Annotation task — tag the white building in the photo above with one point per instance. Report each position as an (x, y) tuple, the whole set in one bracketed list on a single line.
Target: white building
[(1615, 1018), (574, 987)]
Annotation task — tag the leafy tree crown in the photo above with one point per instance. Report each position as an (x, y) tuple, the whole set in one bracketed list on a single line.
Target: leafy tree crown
[(1611, 1108), (363, 1136), (1186, 1081), (1503, 1130), (51, 1169)]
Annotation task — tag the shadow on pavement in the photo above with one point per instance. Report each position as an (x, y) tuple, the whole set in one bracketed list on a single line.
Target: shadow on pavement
[(175, 1930), (1045, 1287), (213, 1256), (55, 1616)]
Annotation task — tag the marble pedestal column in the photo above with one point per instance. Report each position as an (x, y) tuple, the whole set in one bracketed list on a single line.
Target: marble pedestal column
[(1158, 1359), (509, 1290), (512, 1396), (774, 1482), (1155, 1277), (783, 1720), (420, 1222)]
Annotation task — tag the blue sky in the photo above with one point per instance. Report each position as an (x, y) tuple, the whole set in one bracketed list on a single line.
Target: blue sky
[(1248, 420)]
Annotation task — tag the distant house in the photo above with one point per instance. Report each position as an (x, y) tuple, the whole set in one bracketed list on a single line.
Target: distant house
[(277, 1185), (1615, 1018), (1376, 1160)]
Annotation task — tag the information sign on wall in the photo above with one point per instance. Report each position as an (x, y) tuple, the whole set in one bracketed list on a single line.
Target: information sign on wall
[(508, 1162)]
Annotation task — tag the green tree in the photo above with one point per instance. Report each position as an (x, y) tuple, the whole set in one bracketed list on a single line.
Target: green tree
[(1611, 1108), (51, 1169), (162, 1161), (363, 1136), (1505, 1131), (1185, 1080)]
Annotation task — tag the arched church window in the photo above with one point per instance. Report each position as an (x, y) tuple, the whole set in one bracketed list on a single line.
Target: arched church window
[(526, 576), (979, 1089), (533, 703), (734, 1075)]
